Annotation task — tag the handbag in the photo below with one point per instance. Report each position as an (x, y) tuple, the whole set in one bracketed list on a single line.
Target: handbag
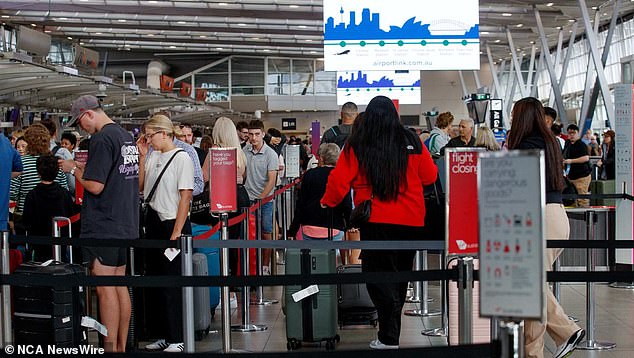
[(569, 189), (361, 213), (145, 204)]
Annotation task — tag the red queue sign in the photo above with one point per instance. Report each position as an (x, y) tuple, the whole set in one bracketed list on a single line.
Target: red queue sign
[(81, 156), (223, 196), (462, 201)]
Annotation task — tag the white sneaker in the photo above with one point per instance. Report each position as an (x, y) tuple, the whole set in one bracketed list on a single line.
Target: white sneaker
[(376, 344), (566, 349), (156, 346), (266, 271), (175, 348)]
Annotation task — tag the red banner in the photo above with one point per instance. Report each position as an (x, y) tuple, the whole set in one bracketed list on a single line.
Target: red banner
[(81, 156), (201, 94), (396, 104), (462, 199), (167, 83), (186, 89), (223, 182)]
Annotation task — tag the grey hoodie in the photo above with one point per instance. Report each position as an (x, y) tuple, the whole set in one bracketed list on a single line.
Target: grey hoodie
[(438, 139)]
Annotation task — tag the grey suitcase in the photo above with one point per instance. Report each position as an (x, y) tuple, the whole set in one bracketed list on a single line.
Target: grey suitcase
[(355, 305), (202, 311), (313, 319)]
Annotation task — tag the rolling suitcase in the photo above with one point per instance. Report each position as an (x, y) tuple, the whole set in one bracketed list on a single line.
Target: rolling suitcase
[(481, 327), (355, 305), (202, 311), (314, 318), (49, 315), (213, 263)]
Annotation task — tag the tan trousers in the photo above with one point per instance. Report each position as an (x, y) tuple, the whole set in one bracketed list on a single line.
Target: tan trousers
[(559, 327), (582, 185)]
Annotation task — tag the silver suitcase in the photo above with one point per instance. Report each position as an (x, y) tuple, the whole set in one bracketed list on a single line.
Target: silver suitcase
[(202, 311)]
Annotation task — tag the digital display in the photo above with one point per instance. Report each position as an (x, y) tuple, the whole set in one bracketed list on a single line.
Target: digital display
[(361, 86), (375, 35)]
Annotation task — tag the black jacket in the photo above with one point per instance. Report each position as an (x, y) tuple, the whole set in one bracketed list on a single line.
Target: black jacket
[(535, 141), (43, 203), (308, 210)]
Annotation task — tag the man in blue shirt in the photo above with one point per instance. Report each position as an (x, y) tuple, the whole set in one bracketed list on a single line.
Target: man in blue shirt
[(10, 167)]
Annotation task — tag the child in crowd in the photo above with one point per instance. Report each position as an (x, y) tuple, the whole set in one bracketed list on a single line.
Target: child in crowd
[(47, 200)]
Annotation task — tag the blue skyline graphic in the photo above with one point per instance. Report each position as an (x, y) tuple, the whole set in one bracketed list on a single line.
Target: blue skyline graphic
[(369, 28), (362, 82)]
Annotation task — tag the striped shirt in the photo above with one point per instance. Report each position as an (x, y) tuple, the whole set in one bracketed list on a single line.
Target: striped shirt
[(22, 185)]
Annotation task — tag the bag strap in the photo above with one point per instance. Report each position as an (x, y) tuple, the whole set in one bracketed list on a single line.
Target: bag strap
[(334, 131), (147, 200), (55, 150)]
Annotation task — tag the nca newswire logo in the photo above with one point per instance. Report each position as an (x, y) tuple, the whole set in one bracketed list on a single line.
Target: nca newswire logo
[(31, 349)]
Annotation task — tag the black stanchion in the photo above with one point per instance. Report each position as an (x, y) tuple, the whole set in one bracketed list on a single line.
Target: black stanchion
[(7, 337)]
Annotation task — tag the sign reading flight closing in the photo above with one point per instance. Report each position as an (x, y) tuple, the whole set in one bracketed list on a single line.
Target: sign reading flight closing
[(223, 179), (462, 201)]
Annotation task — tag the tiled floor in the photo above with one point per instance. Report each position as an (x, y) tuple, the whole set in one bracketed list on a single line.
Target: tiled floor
[(614, 322)]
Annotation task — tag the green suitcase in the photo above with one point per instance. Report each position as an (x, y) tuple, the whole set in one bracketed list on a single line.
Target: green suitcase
[(314, 318), (604, 187)]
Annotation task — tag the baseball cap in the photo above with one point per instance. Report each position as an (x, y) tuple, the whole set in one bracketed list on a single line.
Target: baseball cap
[(80, 106)]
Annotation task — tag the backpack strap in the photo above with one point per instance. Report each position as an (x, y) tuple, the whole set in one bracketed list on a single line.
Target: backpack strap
[(56, 149), (334, 131)]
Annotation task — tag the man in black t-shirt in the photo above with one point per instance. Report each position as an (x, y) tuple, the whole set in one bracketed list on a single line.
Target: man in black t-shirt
[(110, 208), (339, 134), (576, 160)]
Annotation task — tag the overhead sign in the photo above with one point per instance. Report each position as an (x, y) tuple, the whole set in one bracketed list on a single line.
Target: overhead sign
[(378, 35), (624, 128), (289, 124), (512, 199), (292, 161), (223, 180), (462, 201), (85, 57)]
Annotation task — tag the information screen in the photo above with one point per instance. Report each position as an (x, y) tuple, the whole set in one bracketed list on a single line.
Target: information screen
[(375, 35), (361, 86)]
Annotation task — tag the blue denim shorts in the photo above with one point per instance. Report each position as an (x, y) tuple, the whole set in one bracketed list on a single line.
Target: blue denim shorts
[(267, 217)]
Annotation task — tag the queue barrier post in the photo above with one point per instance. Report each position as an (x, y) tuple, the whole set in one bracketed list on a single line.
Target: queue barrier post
[(423, 289), (7, 337), (259, 295), (511, 336), (187, 268), (590, 343), (441, 331), (225, 308), (246, 325), (465, 300)]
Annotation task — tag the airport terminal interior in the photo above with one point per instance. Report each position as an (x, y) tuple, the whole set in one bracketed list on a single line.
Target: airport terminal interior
[(293, 64)]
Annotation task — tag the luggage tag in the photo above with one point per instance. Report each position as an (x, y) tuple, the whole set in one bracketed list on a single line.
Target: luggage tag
[(308, 291), (171, 253), (90, 322)]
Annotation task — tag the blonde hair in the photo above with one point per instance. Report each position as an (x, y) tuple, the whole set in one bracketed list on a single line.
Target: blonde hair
[(225, 135), (160, 122), (486, 139)]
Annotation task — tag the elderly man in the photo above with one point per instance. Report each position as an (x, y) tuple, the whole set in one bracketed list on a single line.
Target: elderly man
[(465, 139)]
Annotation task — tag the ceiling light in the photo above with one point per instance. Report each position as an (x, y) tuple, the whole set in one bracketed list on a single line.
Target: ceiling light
[(302, 26), (308, 40), (219, 48), (532, 42), (33, 25), (150, 35), (519, 25), (5, 16), (605, 14), (222, 4), (122, 20), (507, 14), (313, 51), (293, 6), (242, 24), (266, 50), (550, 4), (181, 22), (255, 38), (571, 20), (202, 36), (63, 18), (69, 37), (172, 46), (47, 31), (484, 32), (497, 41), (97, 33), (152, 1), (596, 7)]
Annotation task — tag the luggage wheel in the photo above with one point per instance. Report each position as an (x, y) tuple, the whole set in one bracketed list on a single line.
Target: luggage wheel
[(293, 344)]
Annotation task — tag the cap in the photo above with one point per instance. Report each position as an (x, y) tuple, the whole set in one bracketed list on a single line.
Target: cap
[(80, 106)]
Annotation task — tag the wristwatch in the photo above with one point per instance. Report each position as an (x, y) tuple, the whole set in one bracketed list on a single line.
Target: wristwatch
[(72, 171)]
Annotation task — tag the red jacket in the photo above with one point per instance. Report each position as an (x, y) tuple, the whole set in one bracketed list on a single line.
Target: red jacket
[(408, 209)]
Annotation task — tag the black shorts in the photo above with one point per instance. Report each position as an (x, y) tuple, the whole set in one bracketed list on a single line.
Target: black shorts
[(107, 256)]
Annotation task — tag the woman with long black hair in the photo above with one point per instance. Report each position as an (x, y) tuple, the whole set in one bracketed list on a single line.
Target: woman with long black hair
[(607, 162), (387, 164), (529, 131)]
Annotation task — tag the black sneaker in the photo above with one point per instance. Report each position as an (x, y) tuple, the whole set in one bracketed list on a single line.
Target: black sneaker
[(566, 349)]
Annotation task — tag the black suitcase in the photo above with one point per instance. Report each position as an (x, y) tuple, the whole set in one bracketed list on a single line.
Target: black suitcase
[(355, 306), (49, 315)]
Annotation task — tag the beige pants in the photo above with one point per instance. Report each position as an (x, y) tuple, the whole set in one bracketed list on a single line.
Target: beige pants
[(559, 327), (582, 185)]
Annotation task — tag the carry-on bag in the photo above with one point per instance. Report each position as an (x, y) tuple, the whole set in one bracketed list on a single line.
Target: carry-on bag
[(49, 315), (355, 305)]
